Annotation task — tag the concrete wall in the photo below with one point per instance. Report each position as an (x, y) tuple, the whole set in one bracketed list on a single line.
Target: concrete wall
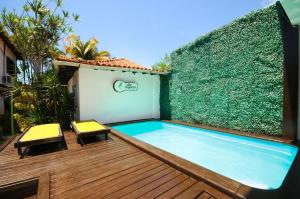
[(98, 100)]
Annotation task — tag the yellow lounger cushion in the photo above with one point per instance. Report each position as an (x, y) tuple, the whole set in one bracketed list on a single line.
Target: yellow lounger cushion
[(43, 131), (83, 127)]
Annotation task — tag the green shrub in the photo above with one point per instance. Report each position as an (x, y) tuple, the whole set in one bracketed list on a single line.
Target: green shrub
[(231, 77), (45, 102)]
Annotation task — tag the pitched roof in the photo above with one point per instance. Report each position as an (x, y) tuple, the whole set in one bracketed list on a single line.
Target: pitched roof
[(116, 62), (66, 66), (4, 35)]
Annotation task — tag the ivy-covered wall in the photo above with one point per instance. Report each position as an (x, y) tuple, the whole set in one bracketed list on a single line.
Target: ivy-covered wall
[(231, 77)]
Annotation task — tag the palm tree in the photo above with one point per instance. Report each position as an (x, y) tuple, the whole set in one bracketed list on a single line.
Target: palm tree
[(78, 49), (163, 65)]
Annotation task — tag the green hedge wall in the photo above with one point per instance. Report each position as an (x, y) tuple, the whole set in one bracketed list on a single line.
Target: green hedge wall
[(231, 77)]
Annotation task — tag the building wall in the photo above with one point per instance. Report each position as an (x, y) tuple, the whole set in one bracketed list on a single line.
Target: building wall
[(8, 53), (73, 87), (2, 68), (98, 100)]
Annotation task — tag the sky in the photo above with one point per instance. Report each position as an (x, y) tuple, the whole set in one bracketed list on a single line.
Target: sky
[(145, 30)]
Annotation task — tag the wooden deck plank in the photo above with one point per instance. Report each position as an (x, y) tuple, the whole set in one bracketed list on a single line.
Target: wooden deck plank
[(81, 191), (193, 170), (214, 193), (66, 173), (104, 157), (44, 166), (84, 156), (109, 169), (139, 192), (199, 189), (71, 140), (31, 197), (122, 192), (192, 192), (165, 187), (44, 187), (171, 193), (204, 195), (127, 180)]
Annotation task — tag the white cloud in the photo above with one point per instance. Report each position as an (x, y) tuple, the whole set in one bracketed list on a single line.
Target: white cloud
[(266, 3)]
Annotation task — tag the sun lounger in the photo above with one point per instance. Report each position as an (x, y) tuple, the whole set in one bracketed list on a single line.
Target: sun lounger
[(39, 134), (87, 128)]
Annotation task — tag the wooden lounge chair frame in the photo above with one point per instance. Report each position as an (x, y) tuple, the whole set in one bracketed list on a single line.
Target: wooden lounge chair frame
[(89, 133), (19, 144)]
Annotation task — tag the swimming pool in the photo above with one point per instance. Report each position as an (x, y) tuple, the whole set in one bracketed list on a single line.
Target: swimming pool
[(254, 162)]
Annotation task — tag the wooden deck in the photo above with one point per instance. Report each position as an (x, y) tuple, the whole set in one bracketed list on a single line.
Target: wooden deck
[(106, 169)]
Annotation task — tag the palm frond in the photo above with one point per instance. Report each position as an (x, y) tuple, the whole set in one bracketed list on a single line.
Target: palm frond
[(103, 55), (76, 48)]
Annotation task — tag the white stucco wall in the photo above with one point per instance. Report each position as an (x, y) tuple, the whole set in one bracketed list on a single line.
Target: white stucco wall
[(98, 100), (73, 87)]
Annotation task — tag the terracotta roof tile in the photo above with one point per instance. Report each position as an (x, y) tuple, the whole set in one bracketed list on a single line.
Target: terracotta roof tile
[(116, 62)]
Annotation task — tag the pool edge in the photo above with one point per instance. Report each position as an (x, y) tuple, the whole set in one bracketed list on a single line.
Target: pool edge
[(225, 184), (236, 132)]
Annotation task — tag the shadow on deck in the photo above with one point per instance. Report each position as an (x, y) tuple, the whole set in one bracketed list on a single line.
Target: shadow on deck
[(106, 169)]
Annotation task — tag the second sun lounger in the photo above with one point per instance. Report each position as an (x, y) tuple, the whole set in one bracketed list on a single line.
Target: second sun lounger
[(88, 128), (39, 134)]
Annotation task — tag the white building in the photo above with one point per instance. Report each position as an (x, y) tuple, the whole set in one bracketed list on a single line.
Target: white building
[(114, 90), (8, 59)]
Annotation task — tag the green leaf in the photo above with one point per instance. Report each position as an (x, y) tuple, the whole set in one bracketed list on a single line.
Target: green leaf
[(76, 17), (59, 3), (65, 13), (230, 78)]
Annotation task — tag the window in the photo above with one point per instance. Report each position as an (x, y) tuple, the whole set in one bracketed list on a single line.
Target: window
[(10, 66)]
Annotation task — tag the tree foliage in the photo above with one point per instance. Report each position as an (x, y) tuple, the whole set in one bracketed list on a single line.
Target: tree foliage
[(37, 30), (55, 105), (78, 49), (39, 97), (163, 65)]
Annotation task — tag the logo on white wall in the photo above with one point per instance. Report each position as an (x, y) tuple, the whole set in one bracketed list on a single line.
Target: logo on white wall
[(120, 86)]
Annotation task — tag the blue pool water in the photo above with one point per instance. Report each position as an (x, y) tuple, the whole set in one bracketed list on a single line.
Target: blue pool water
[(253, 162)]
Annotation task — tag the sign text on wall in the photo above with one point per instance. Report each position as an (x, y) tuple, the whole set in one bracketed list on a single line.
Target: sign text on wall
[(120, 86)]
